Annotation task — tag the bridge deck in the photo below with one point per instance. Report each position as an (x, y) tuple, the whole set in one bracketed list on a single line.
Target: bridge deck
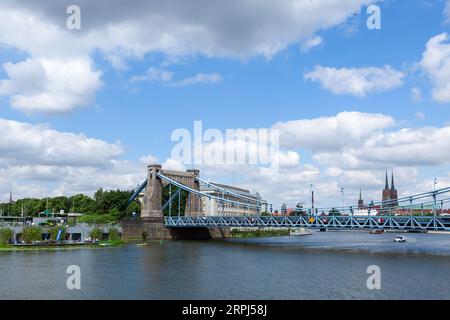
[(336, 222)]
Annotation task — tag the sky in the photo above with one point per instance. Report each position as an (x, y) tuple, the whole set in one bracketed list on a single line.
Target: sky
[(91, 107)]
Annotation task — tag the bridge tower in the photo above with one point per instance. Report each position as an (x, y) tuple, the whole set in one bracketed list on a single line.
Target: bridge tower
[(151, 207), (194, 207), (152, 221)]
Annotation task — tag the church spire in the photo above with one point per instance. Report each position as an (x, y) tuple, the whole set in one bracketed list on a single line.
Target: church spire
[(392, 183), (386, 186), (360, 193)]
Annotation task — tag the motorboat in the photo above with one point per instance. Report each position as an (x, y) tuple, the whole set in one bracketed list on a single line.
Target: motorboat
[(299, 232), (400, 239), (378, 231)]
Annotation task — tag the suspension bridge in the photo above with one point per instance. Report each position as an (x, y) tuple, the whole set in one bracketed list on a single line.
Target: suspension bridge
[(182, 200)]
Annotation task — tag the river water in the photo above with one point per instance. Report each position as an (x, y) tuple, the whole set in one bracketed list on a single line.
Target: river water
[(327, 265)]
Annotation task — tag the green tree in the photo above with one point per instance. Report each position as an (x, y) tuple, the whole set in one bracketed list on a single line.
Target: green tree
[(96, 234), (334, 212), (6, 235), (114, 234), (81, 203), (31, 234)]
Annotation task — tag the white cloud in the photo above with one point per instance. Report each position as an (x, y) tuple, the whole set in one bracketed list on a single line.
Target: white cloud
[(420, 115), (154, 75), (311, 43), (416, 94), (26, 143), (50, 86), (436, 64), (332, 133), (167, 77), (120, 31), (447, 12), (199, 78), (358, 82)]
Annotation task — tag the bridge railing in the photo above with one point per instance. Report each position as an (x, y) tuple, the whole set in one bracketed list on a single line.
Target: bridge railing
[(343, 222)]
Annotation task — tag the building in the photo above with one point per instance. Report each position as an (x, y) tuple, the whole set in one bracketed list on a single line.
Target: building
[(213, 207), (360, 200), (390, 195)]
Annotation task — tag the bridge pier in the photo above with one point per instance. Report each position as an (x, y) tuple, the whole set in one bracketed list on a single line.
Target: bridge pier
[(155, 229)]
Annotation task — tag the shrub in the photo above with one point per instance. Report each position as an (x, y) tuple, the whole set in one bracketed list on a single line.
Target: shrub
[(114, 234), (96, 234), (31, 234), (6, 235), (96, 219)]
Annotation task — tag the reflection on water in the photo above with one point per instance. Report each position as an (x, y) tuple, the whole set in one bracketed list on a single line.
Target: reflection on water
[(328, 265)]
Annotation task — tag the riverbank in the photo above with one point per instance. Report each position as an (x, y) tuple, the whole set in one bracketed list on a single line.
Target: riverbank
[(58, 247), (236, 233)]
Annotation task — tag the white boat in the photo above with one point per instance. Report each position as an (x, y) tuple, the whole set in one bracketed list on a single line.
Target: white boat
[(299, 232), (400, 239)]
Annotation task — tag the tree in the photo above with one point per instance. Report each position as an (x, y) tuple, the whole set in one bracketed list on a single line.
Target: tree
[(334, 212), (82, 204), (6, 235), (96, 234), (299, 210), (114, 234), (31, 234)]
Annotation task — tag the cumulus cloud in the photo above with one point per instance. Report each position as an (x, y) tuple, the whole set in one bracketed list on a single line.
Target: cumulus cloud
[(26, 143), (436, 64), (50, 86), (62, 58), (332, 133), (38, 161), (358, 82)]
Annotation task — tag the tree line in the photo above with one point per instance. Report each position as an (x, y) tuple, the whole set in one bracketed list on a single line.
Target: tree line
[(104, 202)]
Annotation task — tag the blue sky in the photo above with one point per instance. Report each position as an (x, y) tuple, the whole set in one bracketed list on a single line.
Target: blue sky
[(253, 90)]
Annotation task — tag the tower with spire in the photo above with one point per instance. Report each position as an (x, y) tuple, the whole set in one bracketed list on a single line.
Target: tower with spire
[(360, 201), (390, 193), (394, 195), (386, 192)]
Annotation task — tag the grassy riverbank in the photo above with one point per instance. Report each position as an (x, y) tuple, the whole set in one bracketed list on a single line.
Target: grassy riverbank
[(259, 233)]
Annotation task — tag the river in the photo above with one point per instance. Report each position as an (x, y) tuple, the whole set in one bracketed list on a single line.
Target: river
[(327, 265)]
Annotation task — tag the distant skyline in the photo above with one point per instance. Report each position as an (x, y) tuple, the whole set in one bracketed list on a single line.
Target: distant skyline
[(90, 108)]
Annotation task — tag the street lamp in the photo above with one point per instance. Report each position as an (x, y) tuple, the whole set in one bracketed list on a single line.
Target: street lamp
[(434, 203), (343, 198)]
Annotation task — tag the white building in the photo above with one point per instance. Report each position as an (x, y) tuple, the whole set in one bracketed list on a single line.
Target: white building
[(214, 207)]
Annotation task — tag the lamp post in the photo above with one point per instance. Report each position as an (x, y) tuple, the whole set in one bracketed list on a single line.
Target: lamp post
[(434, 202)]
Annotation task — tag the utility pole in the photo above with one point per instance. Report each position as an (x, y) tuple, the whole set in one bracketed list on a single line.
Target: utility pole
[(312, 199), (434, 200)]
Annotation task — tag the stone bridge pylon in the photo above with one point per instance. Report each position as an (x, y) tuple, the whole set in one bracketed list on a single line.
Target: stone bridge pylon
[(152, 222), (152, 200)]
